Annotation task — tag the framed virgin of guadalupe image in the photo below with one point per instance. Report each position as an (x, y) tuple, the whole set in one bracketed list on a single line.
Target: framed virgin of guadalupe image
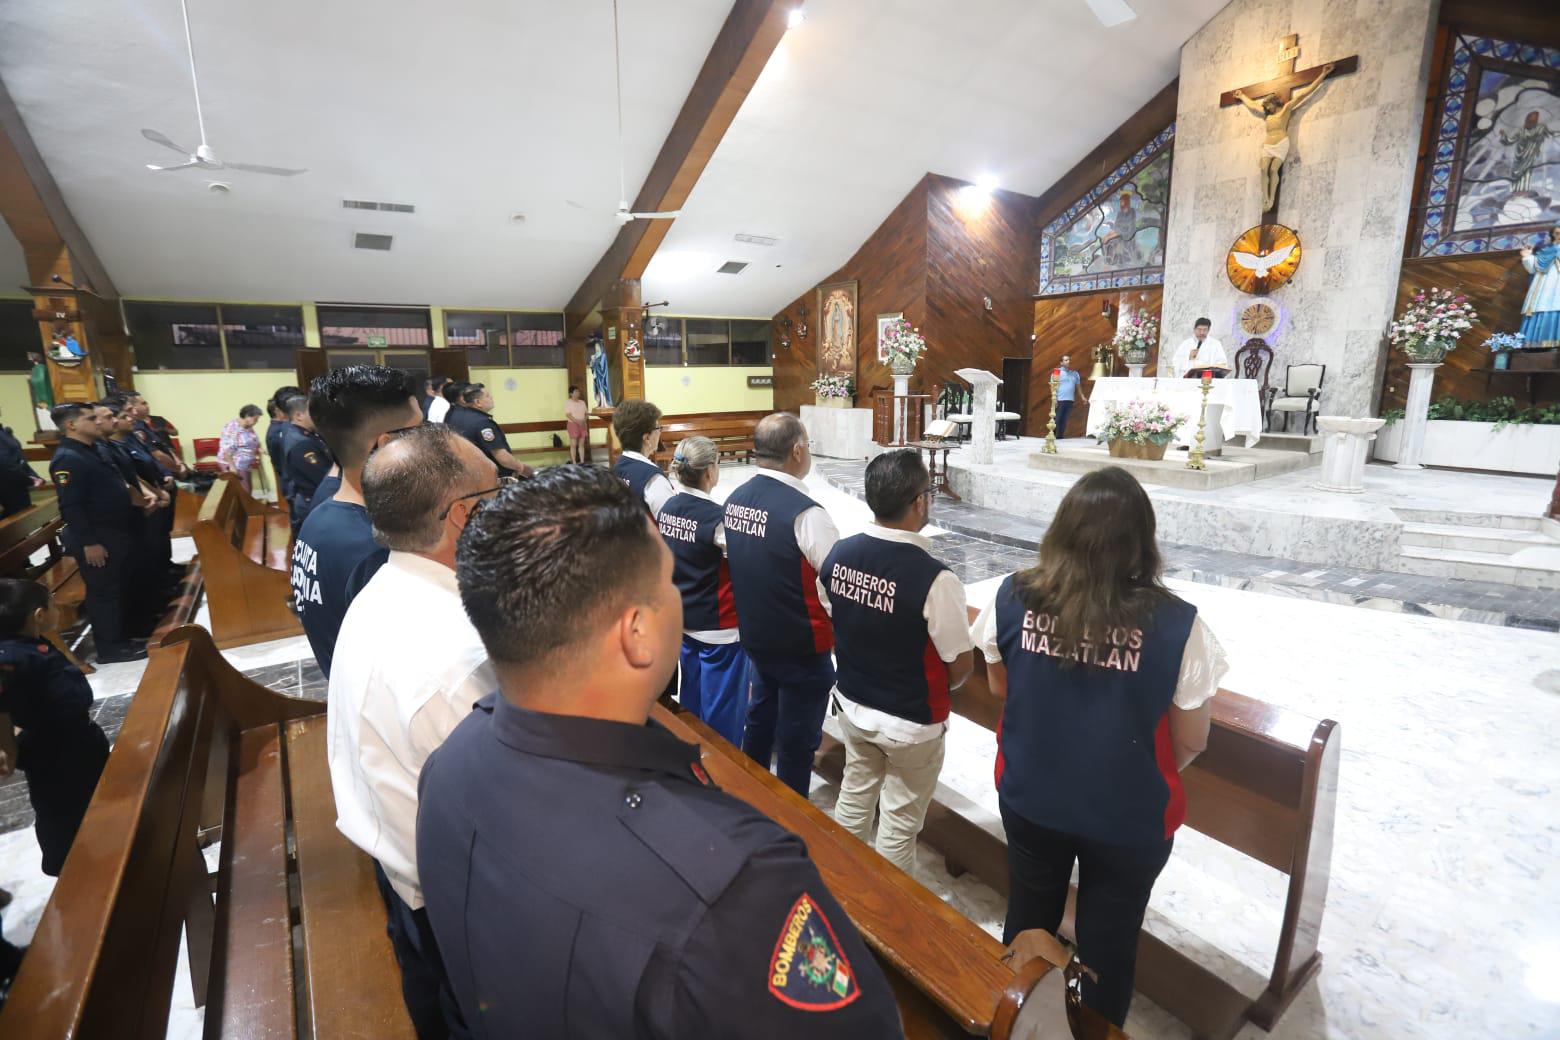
[(836, 318)]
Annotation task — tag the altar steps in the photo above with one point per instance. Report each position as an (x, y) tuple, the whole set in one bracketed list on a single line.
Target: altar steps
[(1309, 443), (1515, 550)]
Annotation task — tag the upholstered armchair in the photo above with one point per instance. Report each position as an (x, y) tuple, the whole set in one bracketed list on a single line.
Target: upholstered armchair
[(1302, 393)]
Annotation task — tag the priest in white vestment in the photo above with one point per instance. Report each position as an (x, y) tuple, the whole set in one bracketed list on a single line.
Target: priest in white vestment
[(1198, 351)]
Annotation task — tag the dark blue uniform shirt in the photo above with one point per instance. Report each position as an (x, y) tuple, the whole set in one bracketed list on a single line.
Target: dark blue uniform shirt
[(775, 586), (305, 461), (15, 475), (584, 878), (92, 494), (334, 555), (479, 428), (273, 446), (47, 697)]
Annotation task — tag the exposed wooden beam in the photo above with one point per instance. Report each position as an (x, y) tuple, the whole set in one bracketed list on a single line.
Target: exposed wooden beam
[(752, 31), (32, 205)]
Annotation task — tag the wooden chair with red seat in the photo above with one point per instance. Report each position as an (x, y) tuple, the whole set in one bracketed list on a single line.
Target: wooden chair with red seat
[(206, 449)]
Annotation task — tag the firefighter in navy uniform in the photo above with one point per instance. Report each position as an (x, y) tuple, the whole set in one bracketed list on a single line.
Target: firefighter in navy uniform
[(277, 411), (638, 428), (641, 900), (60, 749), (154, 571), (305, 460), (16, 477), (472, 418), (101, 520)]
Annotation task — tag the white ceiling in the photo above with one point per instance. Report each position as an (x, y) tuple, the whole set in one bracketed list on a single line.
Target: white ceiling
[(475, 110)]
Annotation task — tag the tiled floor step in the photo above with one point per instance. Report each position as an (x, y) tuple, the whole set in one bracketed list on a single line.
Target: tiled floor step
[(1496, 520), (1541, 573), (1477, 539)]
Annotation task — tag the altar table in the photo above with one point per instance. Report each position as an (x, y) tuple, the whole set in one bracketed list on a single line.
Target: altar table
[(1239, 414)]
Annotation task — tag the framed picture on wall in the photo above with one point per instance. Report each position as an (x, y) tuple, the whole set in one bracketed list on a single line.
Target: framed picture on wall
[(882, 323), (836, 318)]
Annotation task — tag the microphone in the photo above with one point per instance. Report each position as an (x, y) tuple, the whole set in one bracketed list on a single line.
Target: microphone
[(65, 281)]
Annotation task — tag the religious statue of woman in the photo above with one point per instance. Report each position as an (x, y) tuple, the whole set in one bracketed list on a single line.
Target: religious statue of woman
[(600, 378), (1541, 308)]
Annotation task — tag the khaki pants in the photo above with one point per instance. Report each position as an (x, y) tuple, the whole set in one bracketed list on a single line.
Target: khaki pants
[(895, 778)]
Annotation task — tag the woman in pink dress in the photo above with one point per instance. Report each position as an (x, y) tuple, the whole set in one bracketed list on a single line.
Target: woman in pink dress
[(240, 445), (579, 429)]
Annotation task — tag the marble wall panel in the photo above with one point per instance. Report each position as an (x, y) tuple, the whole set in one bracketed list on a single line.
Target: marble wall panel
[(1347, 183)]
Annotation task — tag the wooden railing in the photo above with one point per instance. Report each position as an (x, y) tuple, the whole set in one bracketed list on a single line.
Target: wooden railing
[(896, 421)]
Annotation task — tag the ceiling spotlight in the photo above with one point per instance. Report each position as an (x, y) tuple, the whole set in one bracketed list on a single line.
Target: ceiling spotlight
[(517, 218), (795, 18), (986, 183), (219, 187)]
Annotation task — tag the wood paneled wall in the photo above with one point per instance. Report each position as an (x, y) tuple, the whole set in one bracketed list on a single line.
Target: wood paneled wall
[(1495, 284), (934, 259), (1075, 325)]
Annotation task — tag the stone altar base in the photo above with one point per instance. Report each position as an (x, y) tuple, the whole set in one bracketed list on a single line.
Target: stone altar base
[(1234, 466)]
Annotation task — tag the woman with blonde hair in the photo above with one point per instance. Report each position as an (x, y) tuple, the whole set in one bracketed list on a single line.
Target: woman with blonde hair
[(1106, 677), (714, 668)]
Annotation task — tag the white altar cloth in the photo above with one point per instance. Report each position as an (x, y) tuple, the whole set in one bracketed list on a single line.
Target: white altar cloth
[(1241, 414), (840, 433)]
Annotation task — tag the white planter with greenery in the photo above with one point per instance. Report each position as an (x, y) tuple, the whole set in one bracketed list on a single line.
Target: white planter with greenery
[(1513, 448)]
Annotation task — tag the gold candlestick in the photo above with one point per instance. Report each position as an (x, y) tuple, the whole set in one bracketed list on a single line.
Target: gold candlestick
[(1049, 448), (1194, 458)]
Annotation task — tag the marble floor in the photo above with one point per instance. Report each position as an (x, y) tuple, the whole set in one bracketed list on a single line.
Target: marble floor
[(1442, 916)]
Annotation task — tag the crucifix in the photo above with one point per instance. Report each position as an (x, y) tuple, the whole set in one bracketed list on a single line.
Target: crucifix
[(1276, 100)]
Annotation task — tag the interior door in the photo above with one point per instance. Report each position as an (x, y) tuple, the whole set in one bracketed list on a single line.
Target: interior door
[(310, 363), (1014, 391)]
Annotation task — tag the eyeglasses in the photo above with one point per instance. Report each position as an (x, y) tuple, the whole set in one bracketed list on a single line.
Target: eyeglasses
[(503, 482)]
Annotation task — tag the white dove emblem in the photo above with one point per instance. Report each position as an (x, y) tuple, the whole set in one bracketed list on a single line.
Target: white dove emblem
[(1261, 265)]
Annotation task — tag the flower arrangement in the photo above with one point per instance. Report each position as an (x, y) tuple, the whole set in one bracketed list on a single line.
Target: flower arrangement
[(1134, 338), (1504, 341), (1431, 324), (834, 386), (903, 344), (1140, 422)]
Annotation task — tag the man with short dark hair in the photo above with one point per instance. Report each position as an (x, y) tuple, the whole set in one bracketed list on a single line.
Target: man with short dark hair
[(277, 411), (903, 633), (407, 668), (151, 580), (638, 427), (1069, 387), (100, 526), (432, 391), (561, 831), (472, 418), (777, 539), (354, 410), (305, 460), (1198, 353)]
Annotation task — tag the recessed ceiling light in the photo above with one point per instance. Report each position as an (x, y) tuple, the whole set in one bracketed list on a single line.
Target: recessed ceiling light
[(517, 218), (796, 17), (986, 183), (219, 187)]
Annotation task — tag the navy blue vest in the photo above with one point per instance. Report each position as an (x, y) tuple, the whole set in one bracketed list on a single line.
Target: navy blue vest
[(778, 609), (885, 658), (1086, 749), (699, 568), (635, 474)]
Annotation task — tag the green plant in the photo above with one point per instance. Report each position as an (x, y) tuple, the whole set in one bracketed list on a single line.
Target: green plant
[(1502, 411), (1392, 415)]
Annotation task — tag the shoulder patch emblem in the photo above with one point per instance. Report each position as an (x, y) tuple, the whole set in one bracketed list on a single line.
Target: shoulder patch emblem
[(487, 433), (140, 435), (807, 969), (312, 458), (62, 477)]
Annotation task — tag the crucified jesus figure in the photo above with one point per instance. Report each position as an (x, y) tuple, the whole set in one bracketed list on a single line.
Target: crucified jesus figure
[(1275, 117)]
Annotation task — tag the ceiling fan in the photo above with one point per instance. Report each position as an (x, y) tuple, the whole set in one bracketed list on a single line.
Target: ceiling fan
[(624, 215), (203, 157)]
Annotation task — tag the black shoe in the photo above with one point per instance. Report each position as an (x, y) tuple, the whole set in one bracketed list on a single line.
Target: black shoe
[(121, 654)]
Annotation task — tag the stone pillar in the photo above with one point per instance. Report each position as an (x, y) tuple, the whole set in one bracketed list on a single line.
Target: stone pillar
[(1344, 448), (1416, 415), (983, 430), (1136, 371), (901, 389)]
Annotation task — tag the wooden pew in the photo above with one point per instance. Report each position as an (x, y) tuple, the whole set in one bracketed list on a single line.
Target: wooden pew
[(205, 753), (21, 537), (1266, 786), (947, 973), (558, 426), (733, 437), (246, 553)]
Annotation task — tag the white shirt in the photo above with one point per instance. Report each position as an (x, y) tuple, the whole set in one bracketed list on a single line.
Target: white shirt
[(408, 668), (658, 488), (711, 636), (438, 410), (1209, 354), (815, 530), (947, 623), (1203, 662)]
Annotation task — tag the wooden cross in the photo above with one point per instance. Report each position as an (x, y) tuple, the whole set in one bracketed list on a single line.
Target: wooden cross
[(1284, 84)]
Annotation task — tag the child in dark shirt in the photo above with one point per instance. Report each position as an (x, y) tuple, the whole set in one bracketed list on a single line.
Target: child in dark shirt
[(60, 749)]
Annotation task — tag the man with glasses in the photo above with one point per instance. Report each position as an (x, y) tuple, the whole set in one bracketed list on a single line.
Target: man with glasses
[(638, 428), (902, 644), (355, 410), (408, 667)]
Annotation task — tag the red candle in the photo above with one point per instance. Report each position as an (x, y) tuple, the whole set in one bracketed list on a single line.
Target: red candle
[(1207, 377)]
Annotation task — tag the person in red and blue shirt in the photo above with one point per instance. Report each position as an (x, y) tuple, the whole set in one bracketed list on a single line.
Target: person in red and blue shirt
[(1106, 678), (777, 539), (714, 668)]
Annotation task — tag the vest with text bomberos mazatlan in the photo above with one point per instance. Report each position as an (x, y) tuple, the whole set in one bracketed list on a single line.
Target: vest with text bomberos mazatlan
[(635, 473), (885, 657), (1085, 749), (775, 587), (699, 568)]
